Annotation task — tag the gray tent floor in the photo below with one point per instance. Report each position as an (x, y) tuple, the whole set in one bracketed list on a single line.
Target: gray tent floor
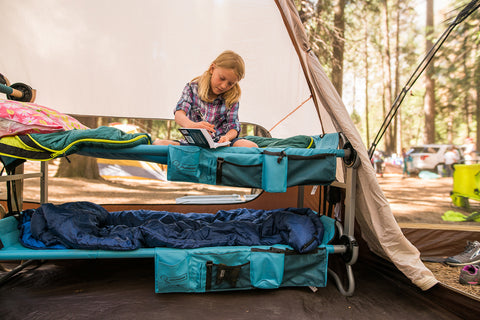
[(124, 289)]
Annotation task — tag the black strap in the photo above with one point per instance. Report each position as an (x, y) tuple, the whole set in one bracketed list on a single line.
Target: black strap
[(323, 197), (208, 278), (11, 197), (220, 162)]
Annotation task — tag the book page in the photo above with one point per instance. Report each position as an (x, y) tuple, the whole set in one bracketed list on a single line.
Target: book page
[(201, 138)]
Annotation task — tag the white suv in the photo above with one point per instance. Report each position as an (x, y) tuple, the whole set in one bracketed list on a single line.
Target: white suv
[(430, 157)]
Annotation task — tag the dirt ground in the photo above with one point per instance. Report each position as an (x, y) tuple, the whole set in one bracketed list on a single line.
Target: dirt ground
[(412, 200), (416, 200), (115, 190)]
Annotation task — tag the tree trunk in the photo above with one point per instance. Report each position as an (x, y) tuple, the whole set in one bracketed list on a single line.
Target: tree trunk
[(169, 129), (477, 91), (338, 46), (389, 136), (398, 118), (80, 166), (367, 124), (450, 120), (466, 100), (144, 125), (429, 102)]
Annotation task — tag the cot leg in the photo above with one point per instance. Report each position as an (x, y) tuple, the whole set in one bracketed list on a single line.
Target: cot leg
[(348, 249), (4, 278), (44, 182), (350, 279)]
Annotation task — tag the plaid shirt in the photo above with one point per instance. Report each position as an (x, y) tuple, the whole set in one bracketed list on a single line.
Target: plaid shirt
[(214, 112)]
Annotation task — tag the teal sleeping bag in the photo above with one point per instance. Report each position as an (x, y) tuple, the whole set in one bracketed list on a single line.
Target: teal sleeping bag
[(47, 146)]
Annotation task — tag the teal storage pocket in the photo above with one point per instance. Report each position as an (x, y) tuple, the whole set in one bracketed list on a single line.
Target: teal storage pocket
[(219, 276), (183, 163), (306, 269), (172, 271), (223, 268), (317, 169), (266, 268), (202, 269), (239, 175), (191, 164), (275, 166), (237, 268)]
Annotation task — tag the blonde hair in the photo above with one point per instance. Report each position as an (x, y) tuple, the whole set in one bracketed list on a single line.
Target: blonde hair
[(228, 60)]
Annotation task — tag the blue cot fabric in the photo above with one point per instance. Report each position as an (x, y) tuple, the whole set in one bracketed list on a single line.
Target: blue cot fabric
[(85, 225)]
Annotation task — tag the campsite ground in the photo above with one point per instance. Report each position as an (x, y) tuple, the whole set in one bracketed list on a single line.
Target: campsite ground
[(416, 200), (412, 200)]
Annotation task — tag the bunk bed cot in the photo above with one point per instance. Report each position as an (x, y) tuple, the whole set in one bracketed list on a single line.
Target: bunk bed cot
[(221, 267)]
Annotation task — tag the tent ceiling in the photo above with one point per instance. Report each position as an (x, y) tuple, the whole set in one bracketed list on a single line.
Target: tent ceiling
[(120, 58)]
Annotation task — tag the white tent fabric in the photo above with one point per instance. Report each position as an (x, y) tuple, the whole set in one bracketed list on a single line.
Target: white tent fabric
[(123, 58), (132, 59)]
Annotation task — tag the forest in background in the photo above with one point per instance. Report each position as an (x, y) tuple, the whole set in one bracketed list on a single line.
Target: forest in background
[(371, 48)]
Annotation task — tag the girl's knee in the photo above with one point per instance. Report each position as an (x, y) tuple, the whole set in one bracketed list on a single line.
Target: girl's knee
[(245, 143), (161, 142)]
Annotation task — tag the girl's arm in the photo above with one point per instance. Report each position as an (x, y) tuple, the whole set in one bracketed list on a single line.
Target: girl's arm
[(182, 120)]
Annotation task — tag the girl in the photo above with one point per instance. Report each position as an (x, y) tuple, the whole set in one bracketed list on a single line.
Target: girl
[(211, 101)]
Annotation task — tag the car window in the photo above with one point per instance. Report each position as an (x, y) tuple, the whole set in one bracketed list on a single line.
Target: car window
[(417, 149), (425, 149)]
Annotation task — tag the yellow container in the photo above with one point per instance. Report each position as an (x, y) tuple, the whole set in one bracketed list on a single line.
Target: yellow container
[(466, 184)]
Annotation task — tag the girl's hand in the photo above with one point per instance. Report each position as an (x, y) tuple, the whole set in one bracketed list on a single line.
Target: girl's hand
[(182, 120), (223, 139), (205, 125), (229, 136)]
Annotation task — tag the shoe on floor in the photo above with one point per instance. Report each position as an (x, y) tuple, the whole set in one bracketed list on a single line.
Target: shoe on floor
[(470, 274), (471, 255)]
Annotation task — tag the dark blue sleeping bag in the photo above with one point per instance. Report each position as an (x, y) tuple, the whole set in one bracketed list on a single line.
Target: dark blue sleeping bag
[(85, 225)]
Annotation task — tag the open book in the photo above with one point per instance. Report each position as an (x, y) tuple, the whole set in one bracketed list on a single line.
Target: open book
[(201, 138)]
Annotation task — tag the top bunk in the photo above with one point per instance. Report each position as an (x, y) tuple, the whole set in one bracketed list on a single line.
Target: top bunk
[(275, 165)]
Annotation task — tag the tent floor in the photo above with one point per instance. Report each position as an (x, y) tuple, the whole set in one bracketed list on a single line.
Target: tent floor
[(124, 289)]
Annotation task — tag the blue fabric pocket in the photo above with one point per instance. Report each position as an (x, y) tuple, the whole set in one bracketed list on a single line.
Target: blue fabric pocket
[(266, 268), (306, 268), (191, 164), (274, 178), (172, 271)]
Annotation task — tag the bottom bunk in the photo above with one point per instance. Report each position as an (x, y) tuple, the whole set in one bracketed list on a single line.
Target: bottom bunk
[(230, 250)]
